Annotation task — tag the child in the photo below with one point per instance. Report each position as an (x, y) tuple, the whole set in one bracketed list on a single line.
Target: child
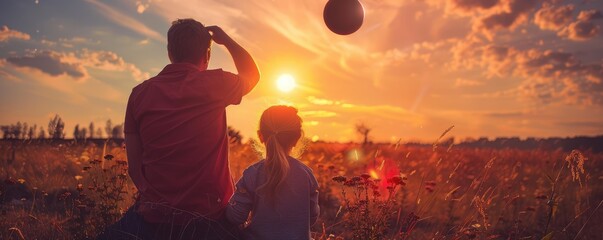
[(276, 198)]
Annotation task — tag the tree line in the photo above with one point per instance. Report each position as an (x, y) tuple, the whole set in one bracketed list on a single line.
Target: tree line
[(56, 130)]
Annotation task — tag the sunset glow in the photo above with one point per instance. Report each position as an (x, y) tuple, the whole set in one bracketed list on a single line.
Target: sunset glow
[(413, 69), (286, 83)]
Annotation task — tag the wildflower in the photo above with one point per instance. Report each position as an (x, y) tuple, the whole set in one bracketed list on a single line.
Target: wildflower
[(21, 180), (109, 157), (396, 180), (78, 177), (376, 193), (80, 187), (350, 183), (339, 179)]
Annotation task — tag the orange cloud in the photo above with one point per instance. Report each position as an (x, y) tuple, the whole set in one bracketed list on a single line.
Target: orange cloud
[(553, 18), (584, 28), (6, 34)]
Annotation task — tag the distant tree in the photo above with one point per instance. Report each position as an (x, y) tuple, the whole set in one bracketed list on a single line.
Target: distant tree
[(17, 129), (76, 132), (99, 133), (109, 128), (91, 129), (31, 132), (234, 135), (363, 130), (56, 127), (42, 134), (118, 131), (24, 130), (6, 131), (83, 134)]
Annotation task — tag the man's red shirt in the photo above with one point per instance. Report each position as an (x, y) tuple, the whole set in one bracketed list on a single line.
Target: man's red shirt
[(180, 117)]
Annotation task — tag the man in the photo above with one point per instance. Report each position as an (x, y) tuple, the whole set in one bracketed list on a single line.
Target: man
[(176, 138)]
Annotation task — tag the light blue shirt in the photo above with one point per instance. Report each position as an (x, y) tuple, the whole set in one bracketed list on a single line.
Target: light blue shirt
[(292, 213)]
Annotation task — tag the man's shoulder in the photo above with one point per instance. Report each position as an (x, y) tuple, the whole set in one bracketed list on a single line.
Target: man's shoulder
[(210, 74)]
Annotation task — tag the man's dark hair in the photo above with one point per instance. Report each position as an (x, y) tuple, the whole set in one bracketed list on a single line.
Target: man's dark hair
[(188, 41)]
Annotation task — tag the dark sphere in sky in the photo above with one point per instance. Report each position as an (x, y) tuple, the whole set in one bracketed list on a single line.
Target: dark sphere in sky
[(343, 16)]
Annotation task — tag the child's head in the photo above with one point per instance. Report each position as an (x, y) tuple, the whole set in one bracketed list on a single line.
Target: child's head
[(189, 41), (280, 124), (280, 129)]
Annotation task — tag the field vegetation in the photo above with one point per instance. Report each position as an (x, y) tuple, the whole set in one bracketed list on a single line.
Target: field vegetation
[(73, 189)]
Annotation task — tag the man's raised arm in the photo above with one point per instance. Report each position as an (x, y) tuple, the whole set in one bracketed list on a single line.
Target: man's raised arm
[(246, 67)]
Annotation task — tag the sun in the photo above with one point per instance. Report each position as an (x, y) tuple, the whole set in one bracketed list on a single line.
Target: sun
[(286, 83)]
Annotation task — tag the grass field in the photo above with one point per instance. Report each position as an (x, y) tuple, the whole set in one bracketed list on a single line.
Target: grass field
[(70, 190)]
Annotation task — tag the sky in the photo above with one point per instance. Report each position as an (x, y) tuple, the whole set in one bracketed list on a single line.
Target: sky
[(491, 68)]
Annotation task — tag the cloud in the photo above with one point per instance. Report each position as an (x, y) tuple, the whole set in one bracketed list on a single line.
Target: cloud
[(110, 61), (589, 15), (317, 114), (545, 76), (508, 114), (50, 62), (331, 108), (553, 18), (580, 31), (6, 34), (127, 21), (460, 82), (141, 7), (559, 76), (4, 74), (464, 7), (71, 42), (75, 64), (511, 14), (319, 101), (584, 28)]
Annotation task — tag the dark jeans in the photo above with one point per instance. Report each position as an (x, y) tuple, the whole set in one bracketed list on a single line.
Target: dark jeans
[(132, 226)]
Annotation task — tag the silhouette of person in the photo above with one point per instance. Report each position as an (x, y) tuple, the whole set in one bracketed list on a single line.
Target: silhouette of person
[(176, 142)]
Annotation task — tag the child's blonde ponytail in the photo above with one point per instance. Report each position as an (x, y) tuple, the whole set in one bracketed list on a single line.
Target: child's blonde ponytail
[(280, 129)]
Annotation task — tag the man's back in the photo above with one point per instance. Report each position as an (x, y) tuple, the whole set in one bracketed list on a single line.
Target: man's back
[(181, 120)]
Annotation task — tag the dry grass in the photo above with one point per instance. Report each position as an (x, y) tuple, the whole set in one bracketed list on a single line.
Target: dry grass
[(448, 193)]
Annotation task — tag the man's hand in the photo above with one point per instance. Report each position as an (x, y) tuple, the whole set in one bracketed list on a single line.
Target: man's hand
[(246, 67), (218, 35)]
